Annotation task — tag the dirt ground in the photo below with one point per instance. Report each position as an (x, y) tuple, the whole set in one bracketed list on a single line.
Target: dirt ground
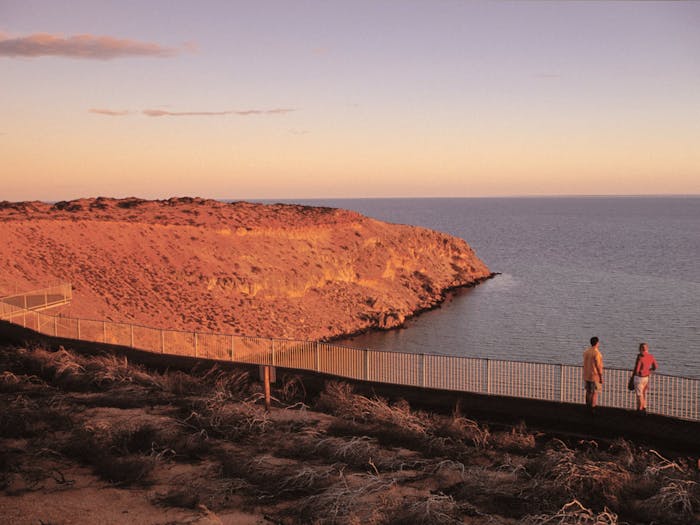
[(101, 440)]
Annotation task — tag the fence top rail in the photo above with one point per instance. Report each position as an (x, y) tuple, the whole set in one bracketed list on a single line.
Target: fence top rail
[(327, 343)]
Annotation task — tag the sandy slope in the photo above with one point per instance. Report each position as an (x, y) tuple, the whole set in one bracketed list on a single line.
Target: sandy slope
[(280, 270)]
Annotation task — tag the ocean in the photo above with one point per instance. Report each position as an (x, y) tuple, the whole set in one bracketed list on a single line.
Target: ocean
[(625, 269)]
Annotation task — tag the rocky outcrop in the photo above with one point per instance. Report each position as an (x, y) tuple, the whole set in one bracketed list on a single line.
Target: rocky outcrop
[(262, 270)]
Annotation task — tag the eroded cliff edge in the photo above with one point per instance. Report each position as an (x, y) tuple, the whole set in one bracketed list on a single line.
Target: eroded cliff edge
[(261, 270)]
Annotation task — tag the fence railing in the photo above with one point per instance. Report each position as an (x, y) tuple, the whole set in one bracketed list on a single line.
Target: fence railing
[(668, 395)]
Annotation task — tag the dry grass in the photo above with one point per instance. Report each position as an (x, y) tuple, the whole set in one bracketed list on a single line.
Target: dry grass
[(573, 513), (205, 441), (677, 501), (436, 509), (218, 417), (345, 502), (339, 399), (566, 473)]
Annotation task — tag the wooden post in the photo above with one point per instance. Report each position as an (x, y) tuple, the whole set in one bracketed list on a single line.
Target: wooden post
[(104, 331), (132, 335), (55, 326), (231, 348), (266, 379), (162, 342), (78, 323), (195, 343)]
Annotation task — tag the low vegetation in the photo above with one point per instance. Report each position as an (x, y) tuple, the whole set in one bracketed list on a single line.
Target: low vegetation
[(201, 444)]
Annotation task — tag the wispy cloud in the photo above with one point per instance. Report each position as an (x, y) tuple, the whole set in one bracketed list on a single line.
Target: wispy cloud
[(241, 112), (81, 46), (110, 112)]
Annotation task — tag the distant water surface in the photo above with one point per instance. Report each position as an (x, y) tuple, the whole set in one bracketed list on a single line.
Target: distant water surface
[(623, 268)]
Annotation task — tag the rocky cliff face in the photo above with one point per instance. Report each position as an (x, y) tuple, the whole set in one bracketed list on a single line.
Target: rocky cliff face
[(261, 270)]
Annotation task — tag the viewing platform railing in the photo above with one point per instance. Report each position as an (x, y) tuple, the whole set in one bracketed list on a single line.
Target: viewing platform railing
[(668, 395)]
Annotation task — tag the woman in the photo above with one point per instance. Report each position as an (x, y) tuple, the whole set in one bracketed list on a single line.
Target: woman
[(645, 365)]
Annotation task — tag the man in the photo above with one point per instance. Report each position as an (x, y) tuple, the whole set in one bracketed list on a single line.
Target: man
[(592, 373)]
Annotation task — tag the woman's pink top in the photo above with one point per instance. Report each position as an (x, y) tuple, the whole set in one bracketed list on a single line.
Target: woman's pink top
[(645, 365)]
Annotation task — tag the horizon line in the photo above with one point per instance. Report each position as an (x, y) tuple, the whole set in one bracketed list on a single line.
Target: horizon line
[(293, 199)]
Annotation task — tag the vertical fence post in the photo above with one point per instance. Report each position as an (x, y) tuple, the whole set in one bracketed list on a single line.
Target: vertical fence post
[(104, 331), (272, 345), (195, 343), (131, 325), (162, 341), (316, 356), (422, 370), (78, 327), (561, 383), (488, 375), (46, 297), (55, 326), (366, 365), (25, 301), (232, 337)]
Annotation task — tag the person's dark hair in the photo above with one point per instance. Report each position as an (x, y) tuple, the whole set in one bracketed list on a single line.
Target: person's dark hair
[(594, 341)]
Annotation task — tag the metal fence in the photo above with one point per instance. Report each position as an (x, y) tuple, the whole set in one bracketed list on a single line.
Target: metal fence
[(668, 395)]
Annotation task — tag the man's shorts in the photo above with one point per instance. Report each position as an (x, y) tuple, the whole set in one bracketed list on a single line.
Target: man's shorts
[(593, 386), (639, 384)]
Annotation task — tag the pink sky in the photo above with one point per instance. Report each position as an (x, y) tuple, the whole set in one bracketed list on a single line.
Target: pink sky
[(364, 99)]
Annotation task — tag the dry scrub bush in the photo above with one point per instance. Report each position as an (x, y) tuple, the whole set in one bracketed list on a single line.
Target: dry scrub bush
[(60, 368), (227, 384), (270, 480), (573, 513), (120, 455), (359, 452), (345, 502), (10, 382), (624, 451), (436, 509), (463, 429), (72, 371), (110, 369), (24, 417), (292, 389), (564, 473), (219, 417), (494, 492), (677, 501), (390, 424), (341, 401), (516, 440)]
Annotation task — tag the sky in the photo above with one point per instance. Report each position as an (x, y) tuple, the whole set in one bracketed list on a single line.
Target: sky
[(363, 98)]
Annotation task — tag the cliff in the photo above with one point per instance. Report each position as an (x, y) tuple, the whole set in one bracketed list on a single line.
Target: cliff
[(262, 270)]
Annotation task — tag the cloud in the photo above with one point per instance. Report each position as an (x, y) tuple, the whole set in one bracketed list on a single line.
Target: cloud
[(243, 112), (81, 46), (110, 112)]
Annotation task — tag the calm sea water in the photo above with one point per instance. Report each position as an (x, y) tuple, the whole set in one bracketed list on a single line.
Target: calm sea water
[(626, 269)]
